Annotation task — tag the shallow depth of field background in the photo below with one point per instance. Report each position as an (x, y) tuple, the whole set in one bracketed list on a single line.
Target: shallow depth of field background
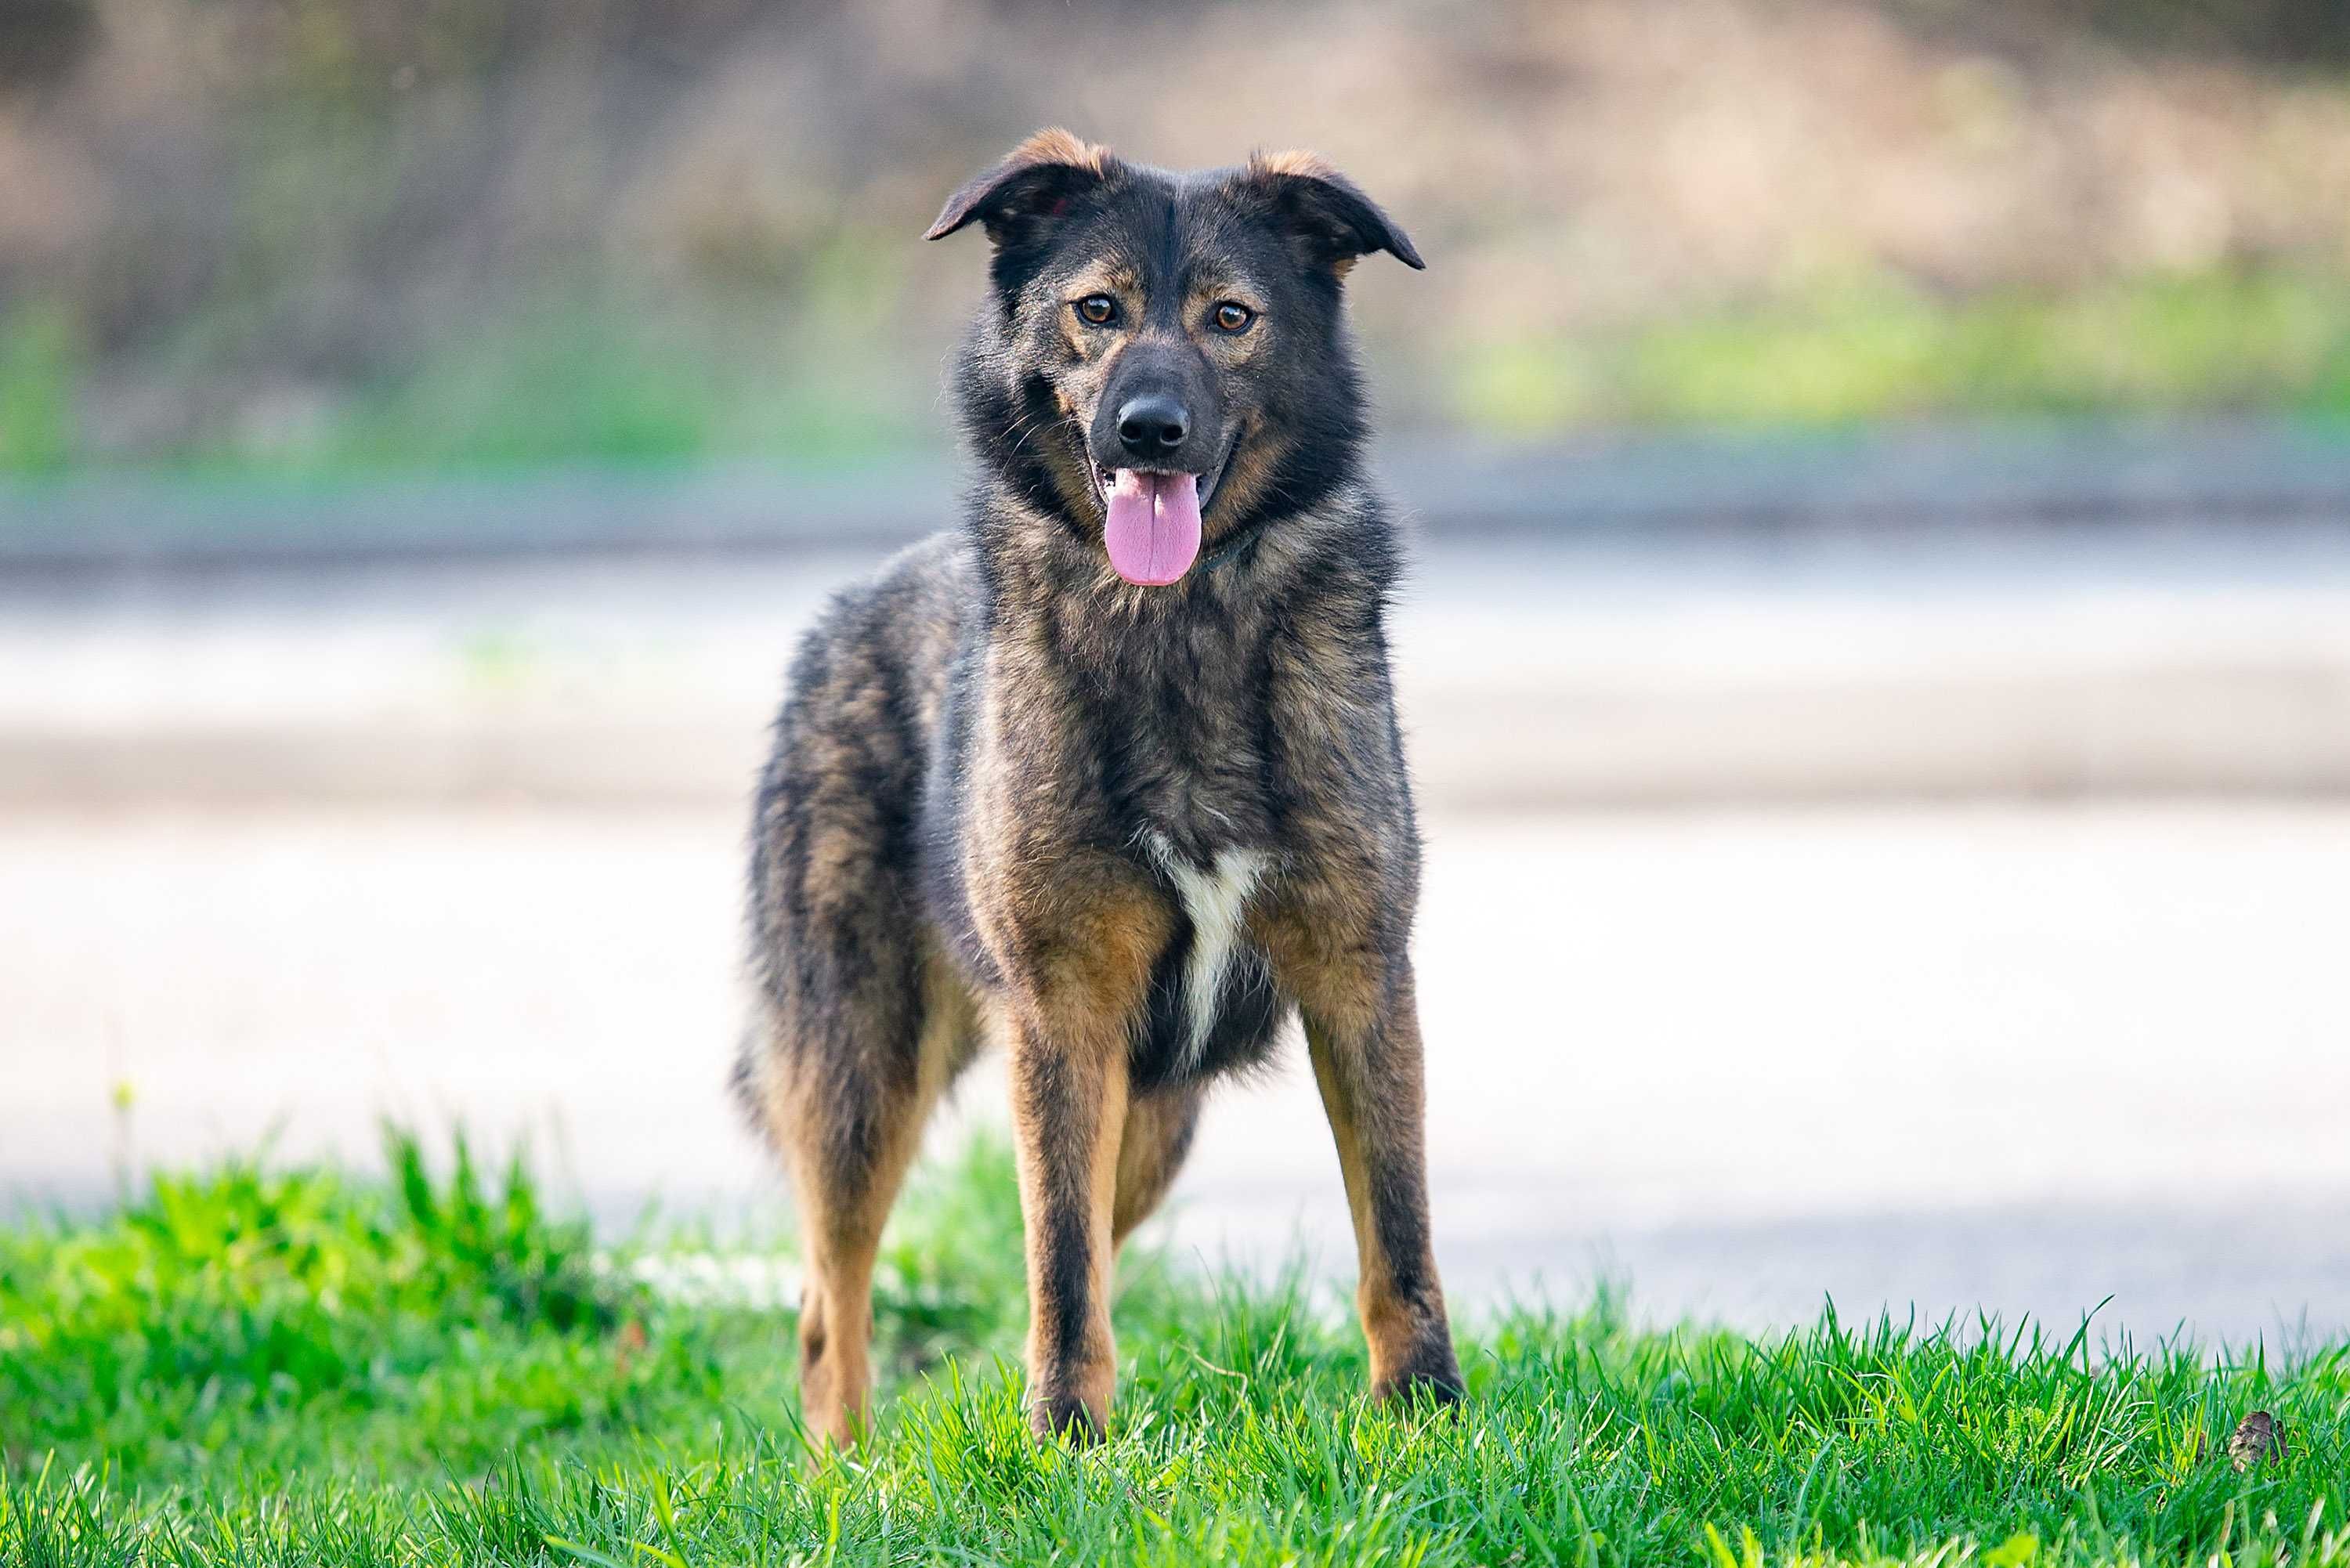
[(1879, 664)]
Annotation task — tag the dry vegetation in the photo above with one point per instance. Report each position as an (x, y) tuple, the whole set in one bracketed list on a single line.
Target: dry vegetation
[(375, 230)]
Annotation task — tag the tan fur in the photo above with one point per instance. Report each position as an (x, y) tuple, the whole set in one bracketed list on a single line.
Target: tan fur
[(1082, 934), (1080, 1126), (1113, 278), (1085, 970), (1149, 1152), (1250, 469), (1294, 161), (1083, 962), (1054, 145), (840, 1235), (1375, 1128), (1362, 1031)]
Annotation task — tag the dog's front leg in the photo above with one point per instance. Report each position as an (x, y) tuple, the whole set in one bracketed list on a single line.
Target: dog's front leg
[(1362, 1029), (1068, 1102), (1369, 1072), (1068, 1032)]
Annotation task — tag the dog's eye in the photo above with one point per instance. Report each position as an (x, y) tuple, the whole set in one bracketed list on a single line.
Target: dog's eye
[(1230, 317), (1097, 308)]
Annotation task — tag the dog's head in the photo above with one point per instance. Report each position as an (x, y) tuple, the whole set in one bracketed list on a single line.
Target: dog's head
[(1166, 365)]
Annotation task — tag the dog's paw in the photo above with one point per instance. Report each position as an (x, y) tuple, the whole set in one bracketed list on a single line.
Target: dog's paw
[(1432, 1378), (1064, 1416)]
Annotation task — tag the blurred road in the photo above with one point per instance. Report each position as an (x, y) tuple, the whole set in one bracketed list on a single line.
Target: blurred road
[(1992, 953), (1679, 666), (2016, 1056)]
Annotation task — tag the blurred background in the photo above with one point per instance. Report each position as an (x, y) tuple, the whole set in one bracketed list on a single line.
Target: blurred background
[(1877, 663)]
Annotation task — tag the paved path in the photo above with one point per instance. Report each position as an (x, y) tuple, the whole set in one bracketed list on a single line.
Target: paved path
[(2022, 1057), (2116, 660)]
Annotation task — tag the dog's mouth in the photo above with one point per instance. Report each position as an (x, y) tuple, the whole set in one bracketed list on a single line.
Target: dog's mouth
[(1150, 520)]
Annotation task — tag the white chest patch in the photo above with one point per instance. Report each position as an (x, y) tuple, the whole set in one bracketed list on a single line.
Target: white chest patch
[(1215, 899)]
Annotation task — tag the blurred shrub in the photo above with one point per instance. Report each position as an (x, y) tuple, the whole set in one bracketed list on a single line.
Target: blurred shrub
[(429, 232), (39, 377), (2287, 32), (2220, 341), (43, 40)]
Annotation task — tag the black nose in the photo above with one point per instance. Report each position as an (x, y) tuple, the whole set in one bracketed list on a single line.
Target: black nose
[(1153, 425)]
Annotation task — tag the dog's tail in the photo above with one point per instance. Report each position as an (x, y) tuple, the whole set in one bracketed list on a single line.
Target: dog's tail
[(747, 1083)]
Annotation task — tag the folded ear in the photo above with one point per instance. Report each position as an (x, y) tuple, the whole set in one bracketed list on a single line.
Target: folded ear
[(1033, 186), (1328, 219)]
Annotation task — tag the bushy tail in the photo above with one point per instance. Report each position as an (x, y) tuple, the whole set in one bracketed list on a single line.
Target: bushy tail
[(747, 1083)]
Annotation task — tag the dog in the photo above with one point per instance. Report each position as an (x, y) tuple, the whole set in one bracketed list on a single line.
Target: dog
[(1111, 776)]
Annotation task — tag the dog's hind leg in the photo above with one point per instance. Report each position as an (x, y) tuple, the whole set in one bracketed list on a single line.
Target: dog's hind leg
[(1157, 1135), (847, 1113)]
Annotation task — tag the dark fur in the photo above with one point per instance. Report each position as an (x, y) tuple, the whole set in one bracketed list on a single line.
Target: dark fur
[(992, 750)]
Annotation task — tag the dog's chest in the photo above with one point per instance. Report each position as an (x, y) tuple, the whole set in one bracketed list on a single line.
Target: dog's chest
[(1184, 719), (1212, 984)]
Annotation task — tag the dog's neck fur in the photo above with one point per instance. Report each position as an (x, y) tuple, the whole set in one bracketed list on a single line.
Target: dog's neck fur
[(1182, 678), (1049, 586)]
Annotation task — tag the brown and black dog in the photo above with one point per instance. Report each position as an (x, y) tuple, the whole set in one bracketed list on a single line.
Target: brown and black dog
[(1111, 775)]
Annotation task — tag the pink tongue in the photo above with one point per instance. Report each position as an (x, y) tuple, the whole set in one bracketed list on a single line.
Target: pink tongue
[(1153, 533)]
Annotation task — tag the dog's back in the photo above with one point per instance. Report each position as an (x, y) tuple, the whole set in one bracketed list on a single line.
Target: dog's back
[(838, 952)]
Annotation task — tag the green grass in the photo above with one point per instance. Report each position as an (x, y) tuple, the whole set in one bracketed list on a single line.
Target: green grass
[(606, 378), (39, 372), (259, 1367), (582, 374), (2221, 341)]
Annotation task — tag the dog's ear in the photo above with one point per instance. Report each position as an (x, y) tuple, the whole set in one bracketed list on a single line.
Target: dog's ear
[(1035, 184), (1328, 220)]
